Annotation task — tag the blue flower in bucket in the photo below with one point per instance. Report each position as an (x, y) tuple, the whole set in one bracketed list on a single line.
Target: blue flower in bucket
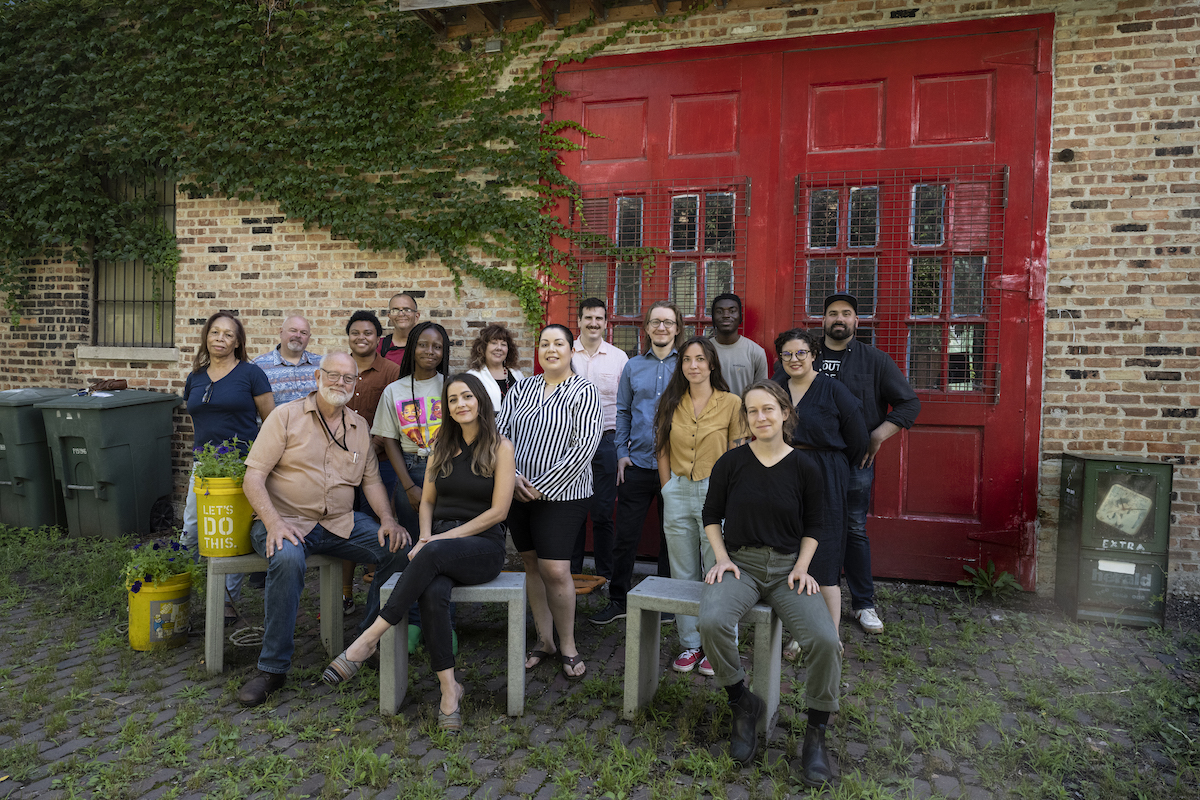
[(149, 578), (156, 546), (137, 587)]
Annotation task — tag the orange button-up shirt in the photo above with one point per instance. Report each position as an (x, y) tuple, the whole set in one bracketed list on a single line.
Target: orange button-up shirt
[(310, 478), (697, 442)]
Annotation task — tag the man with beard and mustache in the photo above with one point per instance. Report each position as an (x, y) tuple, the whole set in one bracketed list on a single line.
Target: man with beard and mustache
[(877, 382), (289, 366), (300, 479)]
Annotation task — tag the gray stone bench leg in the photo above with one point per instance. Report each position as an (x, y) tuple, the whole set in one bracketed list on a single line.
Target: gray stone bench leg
[(214, 622), (764, 680), (642, 637), (332, 623), (516, 655), (393, 657)]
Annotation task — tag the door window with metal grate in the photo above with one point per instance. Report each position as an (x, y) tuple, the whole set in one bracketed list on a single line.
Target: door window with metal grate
[(641, 242), (133, 306), (920, 249)]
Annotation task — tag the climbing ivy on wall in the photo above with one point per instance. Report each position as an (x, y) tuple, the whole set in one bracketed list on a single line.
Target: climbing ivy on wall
[(346, 114)]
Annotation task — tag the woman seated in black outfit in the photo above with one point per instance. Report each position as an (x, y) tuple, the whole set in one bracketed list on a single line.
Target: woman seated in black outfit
[(468, 488)]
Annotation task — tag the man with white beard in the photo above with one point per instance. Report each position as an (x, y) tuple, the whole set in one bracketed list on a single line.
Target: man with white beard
[(289, 366), (300, 479)]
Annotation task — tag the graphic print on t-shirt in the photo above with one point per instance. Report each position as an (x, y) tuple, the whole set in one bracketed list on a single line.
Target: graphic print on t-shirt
[(420, 419), (831, 362)]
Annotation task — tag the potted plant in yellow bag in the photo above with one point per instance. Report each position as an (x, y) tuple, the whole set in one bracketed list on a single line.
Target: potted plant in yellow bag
[(223, 512), (158, 579)]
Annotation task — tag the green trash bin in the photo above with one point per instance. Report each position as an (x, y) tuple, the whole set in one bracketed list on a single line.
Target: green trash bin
[(112, 453), (29, 497)]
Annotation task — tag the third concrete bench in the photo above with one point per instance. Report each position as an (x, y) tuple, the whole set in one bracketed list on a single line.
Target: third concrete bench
[(645, 605), (508, 587), (214, 613)]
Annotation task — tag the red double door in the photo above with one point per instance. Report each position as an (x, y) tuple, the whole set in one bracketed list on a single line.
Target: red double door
[(907, 166)]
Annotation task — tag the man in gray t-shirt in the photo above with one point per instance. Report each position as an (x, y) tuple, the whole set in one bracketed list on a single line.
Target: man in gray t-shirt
[(742, 361)]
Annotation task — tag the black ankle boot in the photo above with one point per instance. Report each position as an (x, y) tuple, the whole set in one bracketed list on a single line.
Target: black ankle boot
[(743, 741), (815, 757)]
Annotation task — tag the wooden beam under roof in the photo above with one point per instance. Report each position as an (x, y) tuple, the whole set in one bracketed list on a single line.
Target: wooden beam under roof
[(491, 12), (432, 19), (548, 13), (599, 9), (660, 6)]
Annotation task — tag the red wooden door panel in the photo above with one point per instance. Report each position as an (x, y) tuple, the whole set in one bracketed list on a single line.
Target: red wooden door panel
[(905, 165)]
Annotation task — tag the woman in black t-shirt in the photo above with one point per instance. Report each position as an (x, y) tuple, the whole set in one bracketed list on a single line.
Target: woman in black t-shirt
[(468, 488), (769, 497)]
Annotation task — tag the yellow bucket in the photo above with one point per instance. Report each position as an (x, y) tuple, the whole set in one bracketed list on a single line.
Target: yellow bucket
[(224, 517), (158, 613)]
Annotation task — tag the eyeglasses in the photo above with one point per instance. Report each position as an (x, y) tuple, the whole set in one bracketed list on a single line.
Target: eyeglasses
[(797, 355), (404, 312), (207, 393), (661, 323), (338, 377)]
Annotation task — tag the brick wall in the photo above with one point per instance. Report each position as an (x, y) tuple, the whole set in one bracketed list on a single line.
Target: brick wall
[(1121, 366)]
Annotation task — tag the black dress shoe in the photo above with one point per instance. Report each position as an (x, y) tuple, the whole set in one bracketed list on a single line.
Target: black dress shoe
[(260, 687), (815, 757), (258, 580), (743, 741)]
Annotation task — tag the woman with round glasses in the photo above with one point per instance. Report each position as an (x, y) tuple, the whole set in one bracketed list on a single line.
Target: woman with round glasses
[(226, 395), (831, 428)]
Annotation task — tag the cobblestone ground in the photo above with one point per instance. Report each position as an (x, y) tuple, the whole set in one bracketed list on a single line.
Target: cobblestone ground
[(953, 700)]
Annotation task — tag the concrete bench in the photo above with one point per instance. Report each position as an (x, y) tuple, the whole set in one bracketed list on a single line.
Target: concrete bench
[(214, 612), (645, 604), (508, 587)]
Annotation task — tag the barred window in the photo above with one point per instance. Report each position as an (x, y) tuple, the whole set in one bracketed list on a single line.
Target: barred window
[(642, 242), (920, 249), (133, 306)]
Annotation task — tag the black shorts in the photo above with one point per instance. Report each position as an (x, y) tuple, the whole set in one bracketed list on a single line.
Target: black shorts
[(548, 527)]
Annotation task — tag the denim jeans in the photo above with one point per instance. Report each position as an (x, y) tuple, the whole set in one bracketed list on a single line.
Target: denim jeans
[(858, 547), (427, 581), (285, 581), (764, 575), (387, 474), (604, 497), (191, 538), (691, 554)]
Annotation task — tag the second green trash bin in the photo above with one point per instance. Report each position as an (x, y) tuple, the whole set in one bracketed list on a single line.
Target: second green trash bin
[(112, 455)]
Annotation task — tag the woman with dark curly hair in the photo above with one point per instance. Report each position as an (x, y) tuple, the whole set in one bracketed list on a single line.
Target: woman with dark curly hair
[(493, 360), (832, 430)]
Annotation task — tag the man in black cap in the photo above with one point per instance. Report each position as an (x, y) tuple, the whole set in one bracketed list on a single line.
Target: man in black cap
[(875, 380)]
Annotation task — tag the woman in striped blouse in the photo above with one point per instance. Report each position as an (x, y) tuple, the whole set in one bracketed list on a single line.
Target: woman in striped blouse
[(554, 421)]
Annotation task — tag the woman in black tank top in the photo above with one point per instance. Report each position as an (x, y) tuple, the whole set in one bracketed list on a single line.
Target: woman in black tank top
[(468, 488)]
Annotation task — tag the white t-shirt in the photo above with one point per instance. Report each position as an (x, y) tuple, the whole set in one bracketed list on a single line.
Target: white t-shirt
[(411, 412)]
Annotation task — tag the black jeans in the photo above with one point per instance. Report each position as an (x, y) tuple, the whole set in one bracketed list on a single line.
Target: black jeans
[(604, 497), (634, 496), (428, 579)]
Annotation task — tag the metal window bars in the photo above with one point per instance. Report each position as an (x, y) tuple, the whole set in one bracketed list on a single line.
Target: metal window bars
[(921, 249), (640, 242), (133, 306)]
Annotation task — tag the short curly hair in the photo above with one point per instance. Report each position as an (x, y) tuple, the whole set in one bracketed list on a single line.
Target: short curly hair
[(486, 336)]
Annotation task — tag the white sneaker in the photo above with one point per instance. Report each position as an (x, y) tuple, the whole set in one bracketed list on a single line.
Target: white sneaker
[(792, 651), (869, 620)]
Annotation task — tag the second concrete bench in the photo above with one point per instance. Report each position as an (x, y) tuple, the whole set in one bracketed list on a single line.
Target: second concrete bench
[(508, 587), (645, 604)]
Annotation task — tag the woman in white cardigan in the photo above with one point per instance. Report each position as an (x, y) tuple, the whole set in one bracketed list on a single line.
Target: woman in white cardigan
[(493, 360)]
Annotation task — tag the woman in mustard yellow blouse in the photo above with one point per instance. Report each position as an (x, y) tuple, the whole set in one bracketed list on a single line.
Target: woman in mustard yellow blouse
[(696, 422)]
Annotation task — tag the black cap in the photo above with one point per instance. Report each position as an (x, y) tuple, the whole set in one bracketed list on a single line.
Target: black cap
[(847, 298)]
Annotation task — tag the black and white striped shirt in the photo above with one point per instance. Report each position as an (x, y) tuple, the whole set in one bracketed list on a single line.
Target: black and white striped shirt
[(554, 439)]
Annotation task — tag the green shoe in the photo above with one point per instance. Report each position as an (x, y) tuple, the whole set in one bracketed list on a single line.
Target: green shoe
[(414, 638)]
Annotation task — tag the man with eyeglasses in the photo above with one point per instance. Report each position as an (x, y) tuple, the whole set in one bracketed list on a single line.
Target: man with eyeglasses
[(403, 314), (642, 383), (743, 361), (289, 366), (873, 377), (300, 479)]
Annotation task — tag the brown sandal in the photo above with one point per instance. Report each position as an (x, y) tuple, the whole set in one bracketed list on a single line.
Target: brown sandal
[(569, 662)]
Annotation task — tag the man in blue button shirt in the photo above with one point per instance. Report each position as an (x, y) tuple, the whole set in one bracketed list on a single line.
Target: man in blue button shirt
[(642, 383), (289, 366)]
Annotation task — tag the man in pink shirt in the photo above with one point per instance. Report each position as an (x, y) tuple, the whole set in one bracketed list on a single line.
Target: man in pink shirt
[(601, 363)]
